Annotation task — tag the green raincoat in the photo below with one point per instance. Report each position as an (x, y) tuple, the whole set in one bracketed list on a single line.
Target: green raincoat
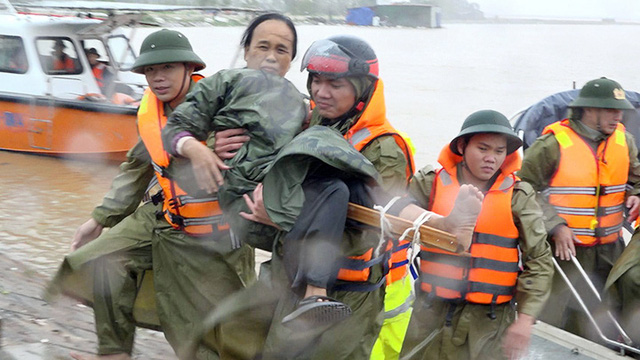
[(272, 111), (116, 265), (622, 288)]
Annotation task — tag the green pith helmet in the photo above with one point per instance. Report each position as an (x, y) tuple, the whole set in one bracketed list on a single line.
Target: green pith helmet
[(487, 121), (166, 46), (602, 93)]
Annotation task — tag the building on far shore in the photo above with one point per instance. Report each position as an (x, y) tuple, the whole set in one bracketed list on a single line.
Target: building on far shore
[(410, 15)]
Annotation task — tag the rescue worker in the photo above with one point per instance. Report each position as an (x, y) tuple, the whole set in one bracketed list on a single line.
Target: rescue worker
[(299, 282), (104, 77), (464, 306), (580, 168), (60, 61), (361, 117), (194, 260), (349, 98)]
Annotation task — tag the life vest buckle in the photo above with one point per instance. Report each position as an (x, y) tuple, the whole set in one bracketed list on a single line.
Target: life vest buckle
[(177, 220), (450, 312), (492, 311), (157, 198), (175, 202), (599, 232)]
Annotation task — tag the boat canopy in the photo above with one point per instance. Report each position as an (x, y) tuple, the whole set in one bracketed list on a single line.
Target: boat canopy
[(529, 123)]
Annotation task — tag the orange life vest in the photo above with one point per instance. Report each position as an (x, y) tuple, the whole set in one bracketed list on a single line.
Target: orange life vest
[(588, 189), (490, 274), (191, 215), (63, 64), (372, 125), (98, 73)]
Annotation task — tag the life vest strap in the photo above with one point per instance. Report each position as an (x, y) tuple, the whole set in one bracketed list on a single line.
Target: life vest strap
[(446, 259), (183, 222), (359, 286), (395, 265), (585, 190), (160, 170), (491, 288), (435, 281), (497, 265), (357, 265), (598, 232), (601, 211), (490, 239)]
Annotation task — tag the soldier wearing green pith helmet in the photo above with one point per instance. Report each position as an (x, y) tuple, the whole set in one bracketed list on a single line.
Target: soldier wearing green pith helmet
[(464, 308), (582, 167), (195, 263)]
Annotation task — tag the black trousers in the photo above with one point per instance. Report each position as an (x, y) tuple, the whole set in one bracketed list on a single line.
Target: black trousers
[(312, 249)]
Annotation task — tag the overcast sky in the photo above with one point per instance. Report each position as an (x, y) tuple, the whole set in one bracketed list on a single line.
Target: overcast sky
[(618, 9)]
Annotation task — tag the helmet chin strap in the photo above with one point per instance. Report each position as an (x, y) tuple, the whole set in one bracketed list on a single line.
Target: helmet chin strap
[(358, 106), (184, 81)]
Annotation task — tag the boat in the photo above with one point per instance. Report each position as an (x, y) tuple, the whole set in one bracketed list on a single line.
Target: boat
[(60, 110), (530, 122)]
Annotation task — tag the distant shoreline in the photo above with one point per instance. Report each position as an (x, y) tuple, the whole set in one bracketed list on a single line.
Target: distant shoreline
[(499, 20)]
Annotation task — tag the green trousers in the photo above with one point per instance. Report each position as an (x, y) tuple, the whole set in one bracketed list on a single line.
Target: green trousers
[(256, 313), (439, 330), (191, 275), (562, 310)]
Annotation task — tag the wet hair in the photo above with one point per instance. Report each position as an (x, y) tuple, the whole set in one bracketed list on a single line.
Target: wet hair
[(248, 33), (464, 141), (575, 113)]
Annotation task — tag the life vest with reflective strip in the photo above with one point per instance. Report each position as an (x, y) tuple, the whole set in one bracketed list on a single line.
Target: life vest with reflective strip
[(63, 64), (588, 189), (199, 216), (371, 125), (490, 274), (98, 73)]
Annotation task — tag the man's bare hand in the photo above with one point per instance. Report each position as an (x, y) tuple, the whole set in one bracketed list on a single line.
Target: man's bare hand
[(87, 232), (256, 206), (207, 166), (229, 141), (633, 204), (516, 339), (564, 240)]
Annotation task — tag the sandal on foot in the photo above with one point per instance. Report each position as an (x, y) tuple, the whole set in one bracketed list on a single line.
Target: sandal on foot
[(317, 310)]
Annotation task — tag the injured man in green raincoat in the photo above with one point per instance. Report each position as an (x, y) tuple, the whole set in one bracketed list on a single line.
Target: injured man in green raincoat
[(273, 112)]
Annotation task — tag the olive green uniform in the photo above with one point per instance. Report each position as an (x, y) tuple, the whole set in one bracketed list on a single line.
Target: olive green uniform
[(191, 274), (622, 288), (470, 333), (539, 165)]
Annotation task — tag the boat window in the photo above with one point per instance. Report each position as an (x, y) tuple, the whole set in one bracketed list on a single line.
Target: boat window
[(12, 56), (122, 53), (58, 56), (96, 46)]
